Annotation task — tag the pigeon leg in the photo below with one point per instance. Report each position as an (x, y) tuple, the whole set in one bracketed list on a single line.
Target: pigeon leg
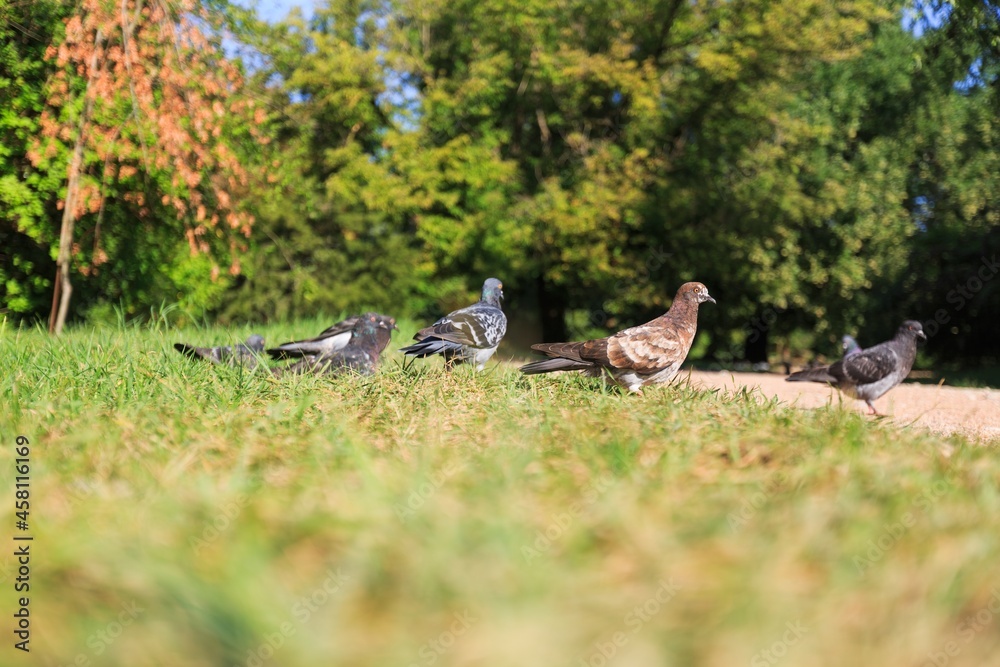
[(873, 410)]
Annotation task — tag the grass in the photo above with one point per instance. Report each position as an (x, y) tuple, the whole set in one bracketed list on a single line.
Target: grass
[(187, 514)]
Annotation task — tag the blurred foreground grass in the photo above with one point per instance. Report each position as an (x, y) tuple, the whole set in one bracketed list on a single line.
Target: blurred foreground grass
[(187, 514)]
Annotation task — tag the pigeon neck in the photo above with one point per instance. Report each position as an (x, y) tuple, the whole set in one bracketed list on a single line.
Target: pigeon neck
[(909, 340), (382, 338), (490, 301), (365, 340), (682, 306)]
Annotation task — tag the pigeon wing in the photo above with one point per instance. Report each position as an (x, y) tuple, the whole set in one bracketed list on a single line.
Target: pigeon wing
[(867, 366), (479, 328), (323, 343), (344, 326), (648, 348)]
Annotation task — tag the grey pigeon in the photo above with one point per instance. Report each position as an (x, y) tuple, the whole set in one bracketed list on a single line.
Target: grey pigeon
[(360, 355), (850, 346), (644, 355), (868, 374), (470, 334), (333, 338), (241, 354)]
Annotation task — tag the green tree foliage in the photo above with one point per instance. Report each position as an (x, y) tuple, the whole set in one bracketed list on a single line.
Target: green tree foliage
[(823, 167), (653, 143), (329, 235), (26, 197), (954, 134), (129, 124)]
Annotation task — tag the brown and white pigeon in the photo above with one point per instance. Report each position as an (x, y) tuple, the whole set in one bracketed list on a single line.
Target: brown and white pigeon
[(334, 338), (360, 355), (241, 354), (648, 354), (868, 374), (467, 335)]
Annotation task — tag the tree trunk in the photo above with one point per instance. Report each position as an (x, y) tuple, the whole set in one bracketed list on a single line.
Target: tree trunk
[(63, 289), (552, 312)]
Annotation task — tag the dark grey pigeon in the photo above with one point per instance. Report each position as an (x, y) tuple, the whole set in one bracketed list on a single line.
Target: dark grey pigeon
[(850, 346), (868, 374), (241, 354), (469, 335), (332, 339), (360, 355)]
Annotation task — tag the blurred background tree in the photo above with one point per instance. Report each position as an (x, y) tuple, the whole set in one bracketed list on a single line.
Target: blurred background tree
[(130, 181), (823, 167)]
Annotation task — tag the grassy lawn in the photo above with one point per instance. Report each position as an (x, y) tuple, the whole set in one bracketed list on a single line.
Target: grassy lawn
[(187, 514)]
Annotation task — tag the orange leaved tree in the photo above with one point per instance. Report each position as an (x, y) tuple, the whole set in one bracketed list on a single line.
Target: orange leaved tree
[(140, 108)]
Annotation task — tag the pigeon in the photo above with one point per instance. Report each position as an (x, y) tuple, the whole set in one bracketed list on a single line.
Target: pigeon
[(467, 335), (332, 339), (644, 355), (241, 354), (360, 355), (868, 374), (850, 346)]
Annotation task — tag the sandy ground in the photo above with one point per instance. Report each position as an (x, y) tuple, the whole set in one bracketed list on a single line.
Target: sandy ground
[(945, 410)]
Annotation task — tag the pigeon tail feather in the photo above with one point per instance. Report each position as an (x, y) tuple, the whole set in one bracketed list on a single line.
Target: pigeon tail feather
[(551, 365), (569, 351), (429, 346), (214, 355), (189, 350), (814, 375)]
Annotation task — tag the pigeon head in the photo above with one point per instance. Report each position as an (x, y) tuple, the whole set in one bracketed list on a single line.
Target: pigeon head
[(492, 292), (849, 345), (386, 322), (912, 328), (366, 327), (256, 343), (693, 293)]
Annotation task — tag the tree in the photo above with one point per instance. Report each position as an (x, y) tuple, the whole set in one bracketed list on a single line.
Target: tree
[(952, 189), (652, 142), (138, 113), (26, 30)]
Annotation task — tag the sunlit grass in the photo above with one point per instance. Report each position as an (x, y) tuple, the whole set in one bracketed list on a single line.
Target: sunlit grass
[(192, 514)]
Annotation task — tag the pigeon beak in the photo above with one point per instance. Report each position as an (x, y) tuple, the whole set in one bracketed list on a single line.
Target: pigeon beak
[(921, 335), (709, 298)]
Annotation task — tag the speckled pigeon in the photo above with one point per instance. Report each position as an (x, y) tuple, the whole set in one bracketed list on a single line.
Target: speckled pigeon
[(333, 338), (241, 354), (644, 355), (470, 335), (360, 355), (850, 346), (870, 373)]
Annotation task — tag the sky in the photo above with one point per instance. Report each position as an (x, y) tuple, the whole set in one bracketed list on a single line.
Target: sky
[(275, 10)]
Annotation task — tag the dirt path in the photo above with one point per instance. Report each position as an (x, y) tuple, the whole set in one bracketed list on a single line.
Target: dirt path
[(946, 410)]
